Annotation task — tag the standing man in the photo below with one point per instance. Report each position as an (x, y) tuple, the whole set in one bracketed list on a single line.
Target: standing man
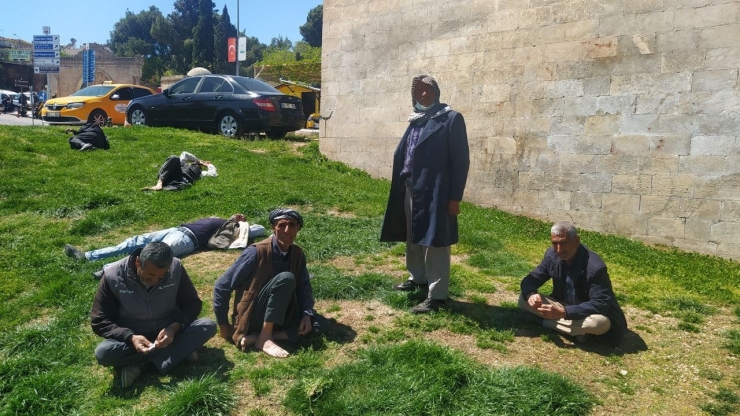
[(274, 298), (147, 310), (582, 302), (430, 168)]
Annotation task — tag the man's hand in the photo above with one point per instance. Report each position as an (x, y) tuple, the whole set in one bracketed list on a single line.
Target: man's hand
[(552, 311), (534, 300), (305, 326), (453, 207), (167, 335), (226, 331), (140, 343)]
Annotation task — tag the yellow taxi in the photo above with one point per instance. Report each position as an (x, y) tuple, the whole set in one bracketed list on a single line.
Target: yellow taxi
[(93, 104)]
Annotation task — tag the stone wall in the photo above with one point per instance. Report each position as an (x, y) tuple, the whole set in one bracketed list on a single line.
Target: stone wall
[(620, 115), (107, 68)]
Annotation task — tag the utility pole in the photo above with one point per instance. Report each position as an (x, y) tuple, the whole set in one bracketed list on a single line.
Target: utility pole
[(237, 36)]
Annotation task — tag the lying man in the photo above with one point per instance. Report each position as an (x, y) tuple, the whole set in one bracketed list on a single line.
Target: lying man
[(205, 233), (273, 296), (177, 173), (582, 302), (147, 310)]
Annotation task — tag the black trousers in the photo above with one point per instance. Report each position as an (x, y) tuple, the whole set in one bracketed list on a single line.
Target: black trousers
[(277, 303)]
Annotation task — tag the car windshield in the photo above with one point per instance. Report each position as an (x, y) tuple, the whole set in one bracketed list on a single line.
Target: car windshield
[(251, 84), (94, 91)]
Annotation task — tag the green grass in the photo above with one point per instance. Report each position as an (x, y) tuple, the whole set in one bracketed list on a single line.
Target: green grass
[(51, 195), (419, 378)]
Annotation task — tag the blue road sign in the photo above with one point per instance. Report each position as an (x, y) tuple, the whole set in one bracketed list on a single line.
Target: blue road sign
[(46, 46), (46, 54), (46, 38)]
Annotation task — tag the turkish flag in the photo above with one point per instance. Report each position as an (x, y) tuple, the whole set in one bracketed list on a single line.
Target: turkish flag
[(232, 50)]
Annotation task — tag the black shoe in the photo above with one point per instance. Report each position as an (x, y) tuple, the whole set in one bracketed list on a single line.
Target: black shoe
[(429, 305), (407, 286), (97, 275), (71, 251)]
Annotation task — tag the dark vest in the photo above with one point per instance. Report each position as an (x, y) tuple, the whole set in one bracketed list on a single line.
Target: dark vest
[(248, 295)]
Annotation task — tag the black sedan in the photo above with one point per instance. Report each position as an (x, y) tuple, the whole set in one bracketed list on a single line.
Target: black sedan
[(228, 104)]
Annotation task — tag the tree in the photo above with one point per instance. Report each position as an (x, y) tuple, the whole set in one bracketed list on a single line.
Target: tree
[(132, 36), (224, 30), (203, 44), (280, 43), (311, 30)]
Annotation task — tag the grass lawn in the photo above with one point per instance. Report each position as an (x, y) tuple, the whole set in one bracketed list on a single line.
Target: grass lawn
[(680, 356)]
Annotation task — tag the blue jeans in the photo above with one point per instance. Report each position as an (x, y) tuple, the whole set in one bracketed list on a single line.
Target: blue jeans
[(178, 241)]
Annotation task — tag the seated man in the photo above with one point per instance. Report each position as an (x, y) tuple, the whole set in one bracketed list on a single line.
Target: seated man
[(183, 239), (582, 301), (147, 310), (177, 173), (274, 298)]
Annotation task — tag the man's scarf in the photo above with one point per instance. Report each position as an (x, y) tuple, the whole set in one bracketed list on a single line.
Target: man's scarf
[(437, 109)]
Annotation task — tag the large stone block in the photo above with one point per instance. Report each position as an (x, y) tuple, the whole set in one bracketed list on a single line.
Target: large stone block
[(705, 209), (702, 165), (730, 211), (657, 22), (631, 145), (670, 145), (683, 60), (651, 83), (554, 200), (621, 203), (585, 201), (669, 228), (729, 251), (631, 184), (721, 187), (676, 40), (579, 106), (709, 16), (660, 206), (579, 144), (713, 145), (725, 36), (716, 80), (674, 186), (722, 58), (596, 86), (602, 125), (726, 232)]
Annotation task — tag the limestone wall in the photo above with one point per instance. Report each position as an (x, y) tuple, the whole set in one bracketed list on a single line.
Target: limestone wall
[(619, 115), (107, 68)]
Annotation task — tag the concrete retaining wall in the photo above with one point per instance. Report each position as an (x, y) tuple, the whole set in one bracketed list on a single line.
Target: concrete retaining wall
[(619, 115)]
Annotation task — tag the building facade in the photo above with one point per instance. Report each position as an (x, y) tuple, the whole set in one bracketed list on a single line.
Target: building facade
[(621, 116)]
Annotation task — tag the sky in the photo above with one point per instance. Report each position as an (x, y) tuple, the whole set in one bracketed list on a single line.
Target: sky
[(92, 20)]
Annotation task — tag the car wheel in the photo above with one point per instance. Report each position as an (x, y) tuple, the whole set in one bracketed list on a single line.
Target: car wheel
[(137, 117), (98, 117), (276, 134), (228, 125)]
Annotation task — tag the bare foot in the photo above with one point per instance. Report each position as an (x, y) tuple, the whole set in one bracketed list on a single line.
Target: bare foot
[(271, 349), (247, 341)]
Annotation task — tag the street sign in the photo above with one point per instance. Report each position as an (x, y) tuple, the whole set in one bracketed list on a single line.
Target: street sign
[(45, 46), (46, 54), (46, 61), (46, 38), (45, 69)]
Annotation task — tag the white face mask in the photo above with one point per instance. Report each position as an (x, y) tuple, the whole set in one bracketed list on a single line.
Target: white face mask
[(420, 107)]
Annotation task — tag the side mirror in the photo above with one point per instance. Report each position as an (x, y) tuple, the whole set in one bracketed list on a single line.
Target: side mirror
[(166, 92)]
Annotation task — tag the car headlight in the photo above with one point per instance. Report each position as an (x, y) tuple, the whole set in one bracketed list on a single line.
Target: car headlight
[(72, 106)]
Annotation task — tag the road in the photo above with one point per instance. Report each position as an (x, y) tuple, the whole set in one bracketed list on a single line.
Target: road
[(13, 120)]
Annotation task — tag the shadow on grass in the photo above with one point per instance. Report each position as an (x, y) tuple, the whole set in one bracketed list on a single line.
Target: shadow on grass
[(210, 361), (632, 343)]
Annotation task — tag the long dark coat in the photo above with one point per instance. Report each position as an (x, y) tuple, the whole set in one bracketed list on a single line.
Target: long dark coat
[(440, 171)]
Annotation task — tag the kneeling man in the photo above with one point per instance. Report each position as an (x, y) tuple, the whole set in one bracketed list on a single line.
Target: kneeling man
[(273, 294), (582, 302), (147, 310)]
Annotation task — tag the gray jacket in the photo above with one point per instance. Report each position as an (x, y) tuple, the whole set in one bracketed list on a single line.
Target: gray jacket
[(124, 307)]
